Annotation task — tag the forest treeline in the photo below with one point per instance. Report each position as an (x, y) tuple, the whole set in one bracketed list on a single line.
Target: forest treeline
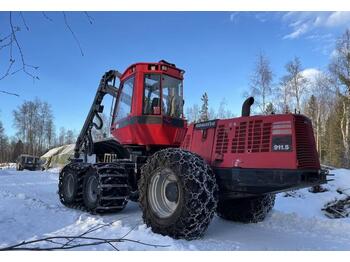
[(35, 132), (321, 94)]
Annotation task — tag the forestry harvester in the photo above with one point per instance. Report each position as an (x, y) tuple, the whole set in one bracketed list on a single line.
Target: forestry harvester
[(181, 174)]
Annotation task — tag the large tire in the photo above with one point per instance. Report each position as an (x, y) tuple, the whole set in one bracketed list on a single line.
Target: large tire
[(105, 188), (70, 183), (246, 210), (186, 197), (91, 190)]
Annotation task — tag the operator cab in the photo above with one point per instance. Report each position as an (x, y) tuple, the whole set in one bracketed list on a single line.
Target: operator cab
[(149, 105)]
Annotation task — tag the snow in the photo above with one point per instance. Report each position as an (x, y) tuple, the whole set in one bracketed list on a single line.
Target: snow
[(7, 165), (30, 209)]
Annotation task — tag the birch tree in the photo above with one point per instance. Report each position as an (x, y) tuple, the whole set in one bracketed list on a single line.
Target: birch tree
[(340, 67), (261, 82), (295, 82)]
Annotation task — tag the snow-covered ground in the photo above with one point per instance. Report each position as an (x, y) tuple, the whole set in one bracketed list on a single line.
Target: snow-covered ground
[(30, 209)]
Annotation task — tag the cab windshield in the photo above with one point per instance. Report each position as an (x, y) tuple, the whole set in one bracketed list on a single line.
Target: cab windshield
[(172, 97)]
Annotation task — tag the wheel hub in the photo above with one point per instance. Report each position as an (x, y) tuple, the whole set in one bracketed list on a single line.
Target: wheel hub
[(69, 185), (163, 193), (171, 192), (92, 186)]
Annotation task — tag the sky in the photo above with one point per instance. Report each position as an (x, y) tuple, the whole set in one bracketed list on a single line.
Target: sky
[(216, 49)]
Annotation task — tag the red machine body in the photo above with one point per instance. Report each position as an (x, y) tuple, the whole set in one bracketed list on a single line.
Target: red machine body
[(155, 127), (258, 154), (249, 154), (273, 141), (182, 174)]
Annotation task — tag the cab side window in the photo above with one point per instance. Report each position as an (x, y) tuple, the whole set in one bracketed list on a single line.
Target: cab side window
[(125, 99), (151, 97)]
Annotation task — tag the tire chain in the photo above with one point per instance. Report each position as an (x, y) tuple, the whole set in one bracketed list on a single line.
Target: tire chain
[(200, 188), (106, 173), (246, 210), (78, 169), (113, 183)]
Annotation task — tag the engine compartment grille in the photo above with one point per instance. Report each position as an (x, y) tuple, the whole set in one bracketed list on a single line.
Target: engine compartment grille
[(253, 136), (221, 140), (307, 156)]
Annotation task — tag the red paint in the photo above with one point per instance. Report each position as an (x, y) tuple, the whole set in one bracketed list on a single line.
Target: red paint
[(223, 150), (148, 134), (243, 142)]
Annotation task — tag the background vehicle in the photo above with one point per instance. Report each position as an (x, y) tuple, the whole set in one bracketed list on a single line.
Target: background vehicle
[(182, 174), (28, 162)]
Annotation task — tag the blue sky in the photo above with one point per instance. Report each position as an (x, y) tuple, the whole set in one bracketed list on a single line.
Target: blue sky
[(216, 49)]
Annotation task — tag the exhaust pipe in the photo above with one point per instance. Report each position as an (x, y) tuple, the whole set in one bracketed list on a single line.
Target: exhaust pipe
[(246, 106)]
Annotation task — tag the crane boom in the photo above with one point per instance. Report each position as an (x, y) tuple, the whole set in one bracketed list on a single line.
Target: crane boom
[(84, 141)]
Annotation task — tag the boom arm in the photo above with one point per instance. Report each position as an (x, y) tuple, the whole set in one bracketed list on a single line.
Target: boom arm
[(84, 141)]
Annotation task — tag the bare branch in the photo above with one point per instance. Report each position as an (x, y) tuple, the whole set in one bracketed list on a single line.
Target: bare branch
[(84, 241), (5, 45), (92, 229), (73, 34), (129, 231), (10, 35), (24, 21), (9, 93), (46, 16), (97, 241), (12, 43), (12, 61), (24, 65), (89, 17)]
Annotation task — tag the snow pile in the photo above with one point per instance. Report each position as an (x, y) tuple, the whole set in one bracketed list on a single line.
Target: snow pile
[(7, 166), (30, 209), (54, 170)]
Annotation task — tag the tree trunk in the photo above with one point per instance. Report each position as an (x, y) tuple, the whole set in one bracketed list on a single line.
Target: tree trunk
[(344, 126), (318, 131)]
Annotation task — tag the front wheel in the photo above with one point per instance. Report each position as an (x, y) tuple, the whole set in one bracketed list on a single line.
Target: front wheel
[(178, 194)]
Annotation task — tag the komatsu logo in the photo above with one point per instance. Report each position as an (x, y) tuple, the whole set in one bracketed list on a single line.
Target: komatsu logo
[(206, 125)]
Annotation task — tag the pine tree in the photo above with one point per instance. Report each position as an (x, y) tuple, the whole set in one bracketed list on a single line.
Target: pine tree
[(3, 143), (2, 130), (270, 109), (18, 150), (204, 113), (340, 67), (311, 110), (334, 148)]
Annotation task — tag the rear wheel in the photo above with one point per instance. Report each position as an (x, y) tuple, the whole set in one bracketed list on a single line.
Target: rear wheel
[(91, 191), (246, 210), (69, 186), (178, 194), (105, 188)]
